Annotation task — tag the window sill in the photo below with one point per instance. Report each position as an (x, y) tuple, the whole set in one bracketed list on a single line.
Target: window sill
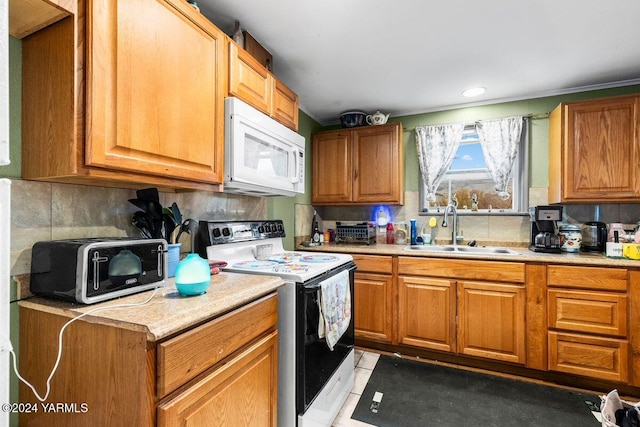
[(469, 212)]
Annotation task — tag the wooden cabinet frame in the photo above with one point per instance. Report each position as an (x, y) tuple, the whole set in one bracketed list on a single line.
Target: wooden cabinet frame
[(250, 81), (594, 151), (465, 296), (362, 165), (86, 119)]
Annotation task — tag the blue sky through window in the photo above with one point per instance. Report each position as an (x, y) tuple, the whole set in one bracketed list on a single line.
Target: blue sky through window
[(468, 156)]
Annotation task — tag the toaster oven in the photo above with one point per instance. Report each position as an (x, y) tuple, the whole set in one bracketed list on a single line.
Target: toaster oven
[(97, 269)]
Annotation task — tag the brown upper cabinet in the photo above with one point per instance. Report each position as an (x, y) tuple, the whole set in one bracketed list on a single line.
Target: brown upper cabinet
[(362, 165), (593, 151), (126, 94), (250, 81), (28, 16)]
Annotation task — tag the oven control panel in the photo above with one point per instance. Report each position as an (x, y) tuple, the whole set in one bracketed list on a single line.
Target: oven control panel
[(219, 232)]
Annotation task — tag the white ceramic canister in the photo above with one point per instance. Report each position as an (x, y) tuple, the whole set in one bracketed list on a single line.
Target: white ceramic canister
[(570, 238)]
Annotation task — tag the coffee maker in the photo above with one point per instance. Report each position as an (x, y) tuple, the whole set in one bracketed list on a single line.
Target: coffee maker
[(544, 232)]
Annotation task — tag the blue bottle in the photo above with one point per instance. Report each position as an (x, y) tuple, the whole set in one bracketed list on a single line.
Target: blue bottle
[(414, 232)]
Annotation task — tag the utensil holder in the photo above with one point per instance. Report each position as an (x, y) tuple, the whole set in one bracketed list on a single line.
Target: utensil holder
[(173, 258)]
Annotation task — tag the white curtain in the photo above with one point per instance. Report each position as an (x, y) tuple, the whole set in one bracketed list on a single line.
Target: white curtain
[(500, 140), (436, 146)]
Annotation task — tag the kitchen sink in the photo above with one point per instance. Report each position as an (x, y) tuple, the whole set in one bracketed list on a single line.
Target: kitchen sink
[(479, 250)]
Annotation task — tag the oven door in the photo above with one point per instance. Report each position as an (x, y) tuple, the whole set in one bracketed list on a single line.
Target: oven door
[(315, 362)]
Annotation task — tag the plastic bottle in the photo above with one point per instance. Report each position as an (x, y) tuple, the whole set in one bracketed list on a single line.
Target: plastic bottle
[(414, 232), (390, 234), (238, 37)]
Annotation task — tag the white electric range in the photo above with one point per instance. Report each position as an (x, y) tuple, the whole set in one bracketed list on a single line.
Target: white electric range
[(313, 379)]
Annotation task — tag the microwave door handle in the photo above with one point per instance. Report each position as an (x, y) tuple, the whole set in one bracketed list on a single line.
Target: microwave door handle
[(296, 163)]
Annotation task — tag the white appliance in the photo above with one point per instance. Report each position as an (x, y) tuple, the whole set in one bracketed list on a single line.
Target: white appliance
[(261, 156), (313, 381), (5, 211)]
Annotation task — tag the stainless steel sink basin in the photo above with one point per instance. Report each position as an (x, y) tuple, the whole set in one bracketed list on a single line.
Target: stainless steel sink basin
[(479, 250)]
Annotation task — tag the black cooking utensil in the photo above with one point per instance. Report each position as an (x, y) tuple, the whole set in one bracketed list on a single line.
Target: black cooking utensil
[(148, 194), (169, 224), (177, 215), (190, 226), (141, 223)]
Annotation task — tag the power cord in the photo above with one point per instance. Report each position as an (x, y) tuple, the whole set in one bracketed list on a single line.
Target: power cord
[(55, 366)]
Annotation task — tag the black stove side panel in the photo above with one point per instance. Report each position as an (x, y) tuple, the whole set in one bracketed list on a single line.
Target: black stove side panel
[(315, 362)]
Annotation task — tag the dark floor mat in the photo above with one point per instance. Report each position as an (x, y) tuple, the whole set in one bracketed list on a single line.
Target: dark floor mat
[(423, 394)]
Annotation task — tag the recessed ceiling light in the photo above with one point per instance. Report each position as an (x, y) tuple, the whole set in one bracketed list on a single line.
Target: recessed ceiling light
[(475, 91)]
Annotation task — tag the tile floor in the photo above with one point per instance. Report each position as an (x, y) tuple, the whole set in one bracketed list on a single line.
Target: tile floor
[(365, 362)]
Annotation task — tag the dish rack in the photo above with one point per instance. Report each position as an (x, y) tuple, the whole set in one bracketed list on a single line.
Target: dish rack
[(359, 233)]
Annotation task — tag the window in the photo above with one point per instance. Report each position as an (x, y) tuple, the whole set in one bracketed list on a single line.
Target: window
[(468, 176)]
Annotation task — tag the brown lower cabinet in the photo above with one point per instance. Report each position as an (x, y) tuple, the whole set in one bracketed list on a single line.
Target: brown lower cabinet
[(222, 372), (588, 321), (374, 297), (439, 309), (531, 318)]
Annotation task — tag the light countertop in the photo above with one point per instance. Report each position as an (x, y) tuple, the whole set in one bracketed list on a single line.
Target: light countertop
[(525, 255), (168, 312)]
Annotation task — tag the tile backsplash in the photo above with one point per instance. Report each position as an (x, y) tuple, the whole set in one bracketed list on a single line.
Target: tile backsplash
[(50, 211), (492, 229)]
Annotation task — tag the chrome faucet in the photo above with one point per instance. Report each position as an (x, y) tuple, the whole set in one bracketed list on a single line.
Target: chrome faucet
[(445, 223)]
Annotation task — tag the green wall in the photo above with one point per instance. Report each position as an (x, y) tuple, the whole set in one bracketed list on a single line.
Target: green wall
[(284, 207), (539, 142)]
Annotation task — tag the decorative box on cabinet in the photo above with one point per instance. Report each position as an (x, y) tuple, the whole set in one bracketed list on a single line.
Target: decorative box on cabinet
[(104, 103), (488, 298), (362, 165), (594, 151), (126, 380), (374, 298), (250, 81), (588, 322)]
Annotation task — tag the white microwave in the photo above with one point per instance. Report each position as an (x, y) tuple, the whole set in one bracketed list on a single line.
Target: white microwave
[(262, 157)]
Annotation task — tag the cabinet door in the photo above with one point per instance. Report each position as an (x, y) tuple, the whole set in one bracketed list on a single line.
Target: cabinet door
[(491, 320), (155, 88), (378, 164), (373, 300), (601, 150), (249, 80), (332, 177), (241, 392), (285, 105), (427, 312)]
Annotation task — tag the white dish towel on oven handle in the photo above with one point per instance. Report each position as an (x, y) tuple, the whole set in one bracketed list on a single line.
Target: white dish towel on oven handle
[(334, 302)]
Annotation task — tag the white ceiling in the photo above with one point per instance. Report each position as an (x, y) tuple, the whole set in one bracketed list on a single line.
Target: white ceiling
[(414, 56)]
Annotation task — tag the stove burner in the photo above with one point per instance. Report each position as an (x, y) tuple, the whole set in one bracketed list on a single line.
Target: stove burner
[(285, 257), (318, 258), (255, 265)]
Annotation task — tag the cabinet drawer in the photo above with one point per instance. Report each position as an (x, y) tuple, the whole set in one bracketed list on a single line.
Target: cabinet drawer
[(462, 269), (593, 312), (374, 263), (182, 358), (240, 392), (600, 279), (602, 358)]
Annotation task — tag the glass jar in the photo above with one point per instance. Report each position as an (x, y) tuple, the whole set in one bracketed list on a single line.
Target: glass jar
[(570, 238)]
